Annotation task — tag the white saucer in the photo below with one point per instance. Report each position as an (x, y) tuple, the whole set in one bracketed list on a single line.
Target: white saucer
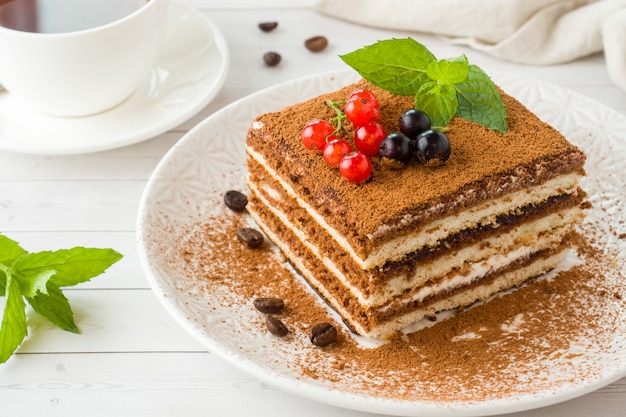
[(188, 74)]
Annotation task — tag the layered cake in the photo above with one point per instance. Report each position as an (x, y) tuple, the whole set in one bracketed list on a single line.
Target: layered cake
[(415, 240)]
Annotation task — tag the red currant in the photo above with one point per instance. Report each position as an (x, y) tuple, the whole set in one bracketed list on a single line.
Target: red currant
[(358, 110), (376, 114), (368, 137), (366, 95), (335, 151), (356, 167), (316, 134)]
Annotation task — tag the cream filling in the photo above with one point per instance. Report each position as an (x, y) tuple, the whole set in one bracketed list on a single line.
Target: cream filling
[(478, 270), (543, 232), (483, 292), (387, 329), (483, 214), (480, 215), (480, 257)]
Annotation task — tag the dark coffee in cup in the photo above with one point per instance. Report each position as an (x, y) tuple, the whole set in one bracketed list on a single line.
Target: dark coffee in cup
[(61, 16)]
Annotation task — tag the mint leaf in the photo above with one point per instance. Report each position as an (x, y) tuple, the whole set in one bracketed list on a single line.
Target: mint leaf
[(37, 277), (55, 307), (449, 70), (9, 250), (438, 101), (396, 65), (13, 329), (72, 266), (406, 67), (36, 283), (480, 101)]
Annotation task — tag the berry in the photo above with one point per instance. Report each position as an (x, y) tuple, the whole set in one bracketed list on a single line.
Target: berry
[(335, 151), (413, 122), (358, 110), (316, 134), (397, 147), (432, 148), (376, 114), (366, 95), (356, 167), (368, 136)]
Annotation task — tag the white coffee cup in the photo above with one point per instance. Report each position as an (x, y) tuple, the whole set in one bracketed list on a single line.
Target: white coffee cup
[(82, 71)]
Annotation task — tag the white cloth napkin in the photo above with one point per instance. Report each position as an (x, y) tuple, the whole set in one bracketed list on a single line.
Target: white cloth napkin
[(534, 32)]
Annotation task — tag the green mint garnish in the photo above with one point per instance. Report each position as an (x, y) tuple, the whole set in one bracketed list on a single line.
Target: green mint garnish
[(37, 278), (480, 101), (442, 88)]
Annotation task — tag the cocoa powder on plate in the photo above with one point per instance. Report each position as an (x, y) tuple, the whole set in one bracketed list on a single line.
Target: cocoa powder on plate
[(486, 352)]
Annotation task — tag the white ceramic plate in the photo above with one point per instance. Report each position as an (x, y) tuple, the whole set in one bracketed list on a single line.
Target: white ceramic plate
[(189, 73), (210, 159)]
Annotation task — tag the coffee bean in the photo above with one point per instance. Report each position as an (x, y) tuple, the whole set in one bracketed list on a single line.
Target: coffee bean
[(271, 58), (276, 327), (323, 334), (235, 200), (316, 43), (269, 305), (251, 237), (268, 26)]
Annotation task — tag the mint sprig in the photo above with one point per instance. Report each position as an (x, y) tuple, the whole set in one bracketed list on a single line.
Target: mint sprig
[(442, 88), (36, 278)]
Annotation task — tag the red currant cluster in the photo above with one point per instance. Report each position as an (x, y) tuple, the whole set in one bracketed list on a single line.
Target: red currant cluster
[(362, 110)]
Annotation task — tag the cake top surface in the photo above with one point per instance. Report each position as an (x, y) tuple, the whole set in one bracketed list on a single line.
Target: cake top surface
[(393, 193)]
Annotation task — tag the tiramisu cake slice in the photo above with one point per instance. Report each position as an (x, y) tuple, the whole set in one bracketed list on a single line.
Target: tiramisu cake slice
[(415, 240)]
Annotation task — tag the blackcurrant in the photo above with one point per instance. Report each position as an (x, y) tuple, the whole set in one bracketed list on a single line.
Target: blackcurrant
[(432, 148), (396, 146), (413, 122)]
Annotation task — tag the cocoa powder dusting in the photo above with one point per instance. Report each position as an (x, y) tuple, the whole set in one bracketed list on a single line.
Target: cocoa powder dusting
[(520, 343), (478, 154)]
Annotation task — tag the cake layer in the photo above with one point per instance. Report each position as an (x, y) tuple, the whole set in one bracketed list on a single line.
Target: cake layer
[(394, 203), (518, 235), (374, 287), (411, 306), (430, 234)]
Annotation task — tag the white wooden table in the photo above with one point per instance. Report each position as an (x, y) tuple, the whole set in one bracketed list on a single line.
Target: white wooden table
[(132, 359)]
